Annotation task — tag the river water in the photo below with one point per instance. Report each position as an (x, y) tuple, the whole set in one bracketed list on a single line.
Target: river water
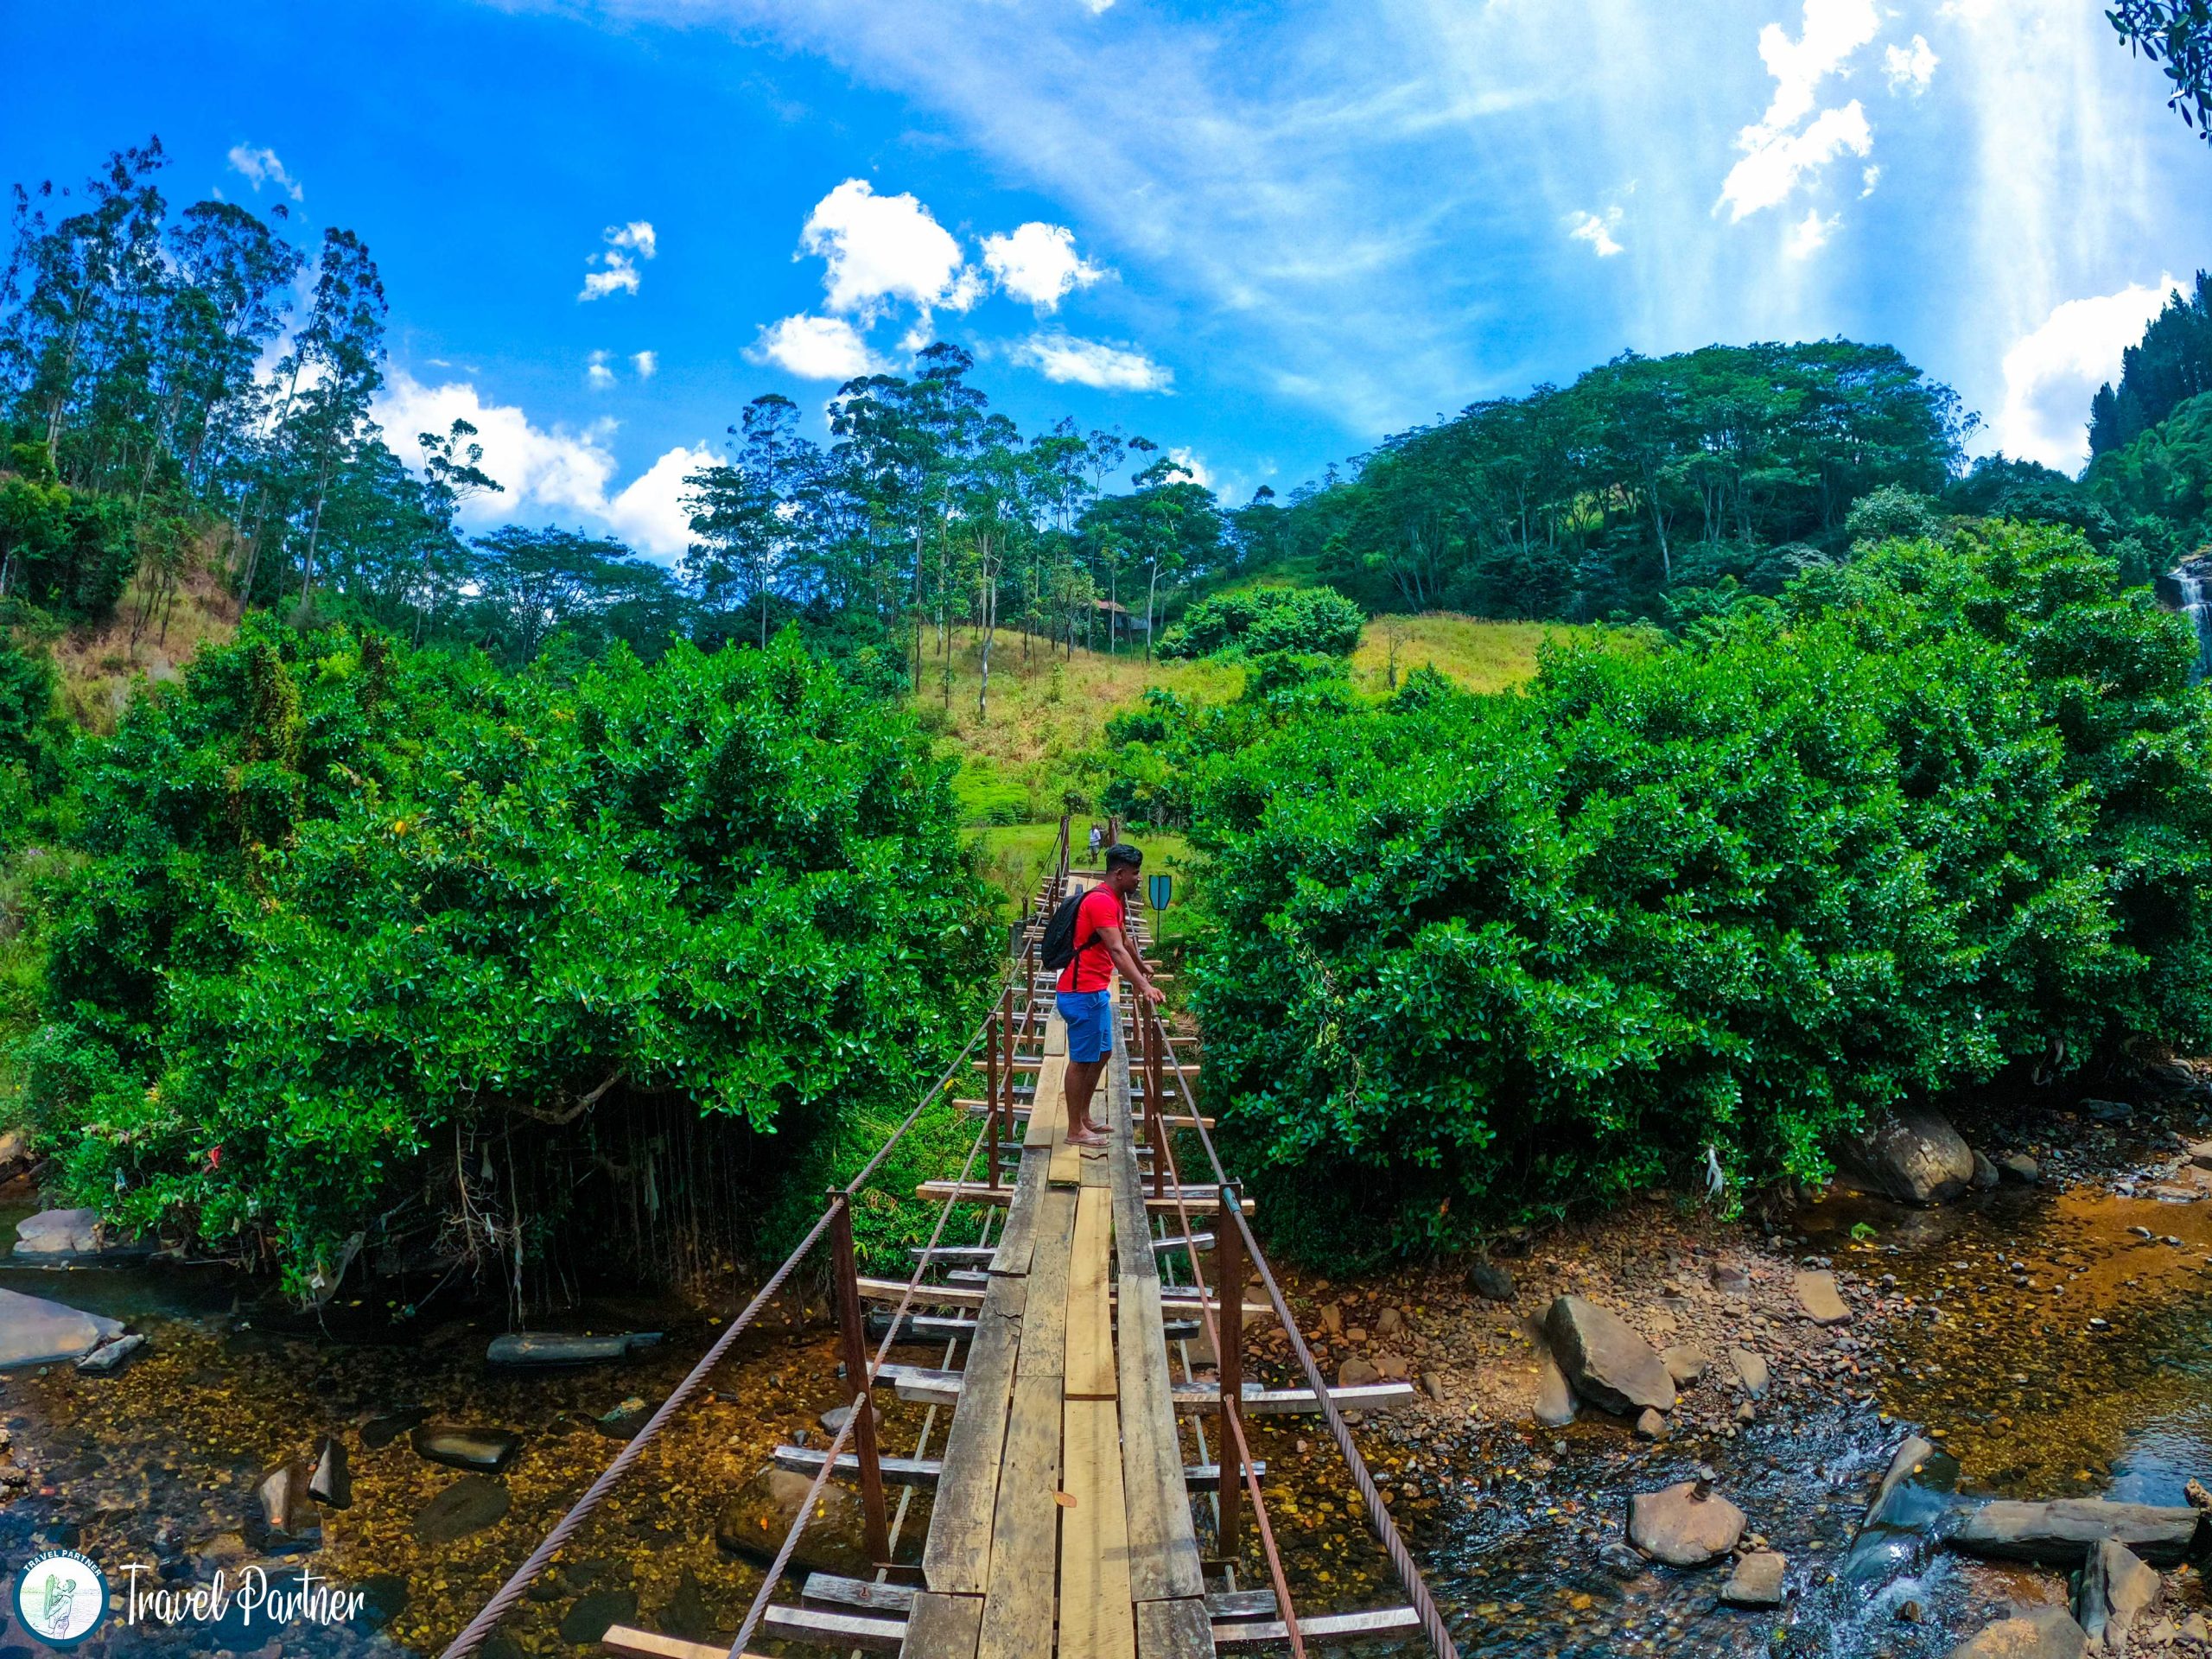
[(1519, 1528)]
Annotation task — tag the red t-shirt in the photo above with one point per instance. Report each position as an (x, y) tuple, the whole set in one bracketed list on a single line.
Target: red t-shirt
[(1092, 969)]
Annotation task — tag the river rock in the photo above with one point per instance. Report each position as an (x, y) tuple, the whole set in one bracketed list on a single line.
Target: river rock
[(589, 1617), (626, 1418), (1913, 1156), (2116, 1589), (1751, 1371), (15, 1148), (332, 1483), (1490, 1282), (1757, 1581), (1731, 1281), (2108, 1111), (470, 1504), (753, 1522), (2199, 1153), (382, 1430), (1823, 1303), (58, 1232), (1357, 1373), (34, 1332), (834, 1419), (1684, 1526), (1984, 1172), (2039, 1633), (2019, 1169), (486, 1449), (2063, 1532), (1554, 1395), (288, 1519), (533, 1348), (111, 1357), (1650, 1425), (1609, 1364), (1687, 1364)]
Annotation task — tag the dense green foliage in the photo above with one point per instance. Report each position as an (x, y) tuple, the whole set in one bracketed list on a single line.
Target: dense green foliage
[(2172, 364), (1647, 474), (2162, 480), (1937, 810), (345, 905), (2177, 36), (1315, 621)]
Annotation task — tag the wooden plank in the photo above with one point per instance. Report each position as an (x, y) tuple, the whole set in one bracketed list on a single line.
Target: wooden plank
[(924, 1327), (1013, 1252), (1259, 1401), (1163, 1547), (899, 1471), (1026, 1527), (1319, 1627), (1047, 1120), (943, 1627), (1090, 1368), (645, 1644), (1179, 1301), (1045, 1320), (1199, 1200), (1176, 1629), (827, 1629), (899, 1599), (1097, 1618), (956, 1556)]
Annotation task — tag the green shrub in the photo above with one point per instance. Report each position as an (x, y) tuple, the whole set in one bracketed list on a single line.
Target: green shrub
[(342, 903), (1482, 961), (1317, 621)]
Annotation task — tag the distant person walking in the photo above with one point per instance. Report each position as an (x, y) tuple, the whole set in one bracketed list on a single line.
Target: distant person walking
[(1085, 994), (1097, 840)]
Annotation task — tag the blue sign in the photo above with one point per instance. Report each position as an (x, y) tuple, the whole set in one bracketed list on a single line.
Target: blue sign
[(1158, 889)]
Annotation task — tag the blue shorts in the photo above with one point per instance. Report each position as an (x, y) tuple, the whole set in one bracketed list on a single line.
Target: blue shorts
[(1089, 1015)]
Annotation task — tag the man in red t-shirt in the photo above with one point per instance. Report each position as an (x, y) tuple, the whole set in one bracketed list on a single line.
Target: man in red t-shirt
[(1085, 987)]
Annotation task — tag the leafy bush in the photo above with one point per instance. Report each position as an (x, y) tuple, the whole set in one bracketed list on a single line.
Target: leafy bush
[(1481, 961), (1890, 513), (1318, 621), (343, 903)]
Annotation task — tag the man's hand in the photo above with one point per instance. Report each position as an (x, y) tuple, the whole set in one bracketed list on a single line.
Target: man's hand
[(1154, 995)]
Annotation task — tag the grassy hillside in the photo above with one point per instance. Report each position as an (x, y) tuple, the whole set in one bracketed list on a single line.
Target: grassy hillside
[(1022, 758), (99, 665)]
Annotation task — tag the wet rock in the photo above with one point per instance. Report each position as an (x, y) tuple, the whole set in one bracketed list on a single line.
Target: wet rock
[(1554, 1395), (1757, 1581), (2063, 1532), (753, 1522), (1751, 1371), (288, 1518), (1356, 1372), (834, 1418), (58, 1232), (2019, 1169), (381, 1431), (383, 1597), (1985, 1174), (2040, 1633), (1490, 1282), (625, 1420), (2199, 1153), (687, 1614), (1621, 1561), (2196, 1495), (1650, 1425), (2116, 1589), (110, 1357), (1687, 1364), (1915, 1157), (1746, 1415), (1822, 1302), (470, 1504), (1609, 1364), (534, 1348), (1911, 1456), (589, 1618), (2107, 1111), (34, 1332), (486, 1449), (1685, 1525), (332, 1483), (1729, 1280)]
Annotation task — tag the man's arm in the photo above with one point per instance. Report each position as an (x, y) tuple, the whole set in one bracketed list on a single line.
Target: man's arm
[(1117, 947)]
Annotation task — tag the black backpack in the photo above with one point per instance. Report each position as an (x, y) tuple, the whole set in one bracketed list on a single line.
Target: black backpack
[(1057, 949)]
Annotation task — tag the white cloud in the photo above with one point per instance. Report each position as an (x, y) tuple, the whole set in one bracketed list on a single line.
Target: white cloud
[(1598, 233), (646, 364), (1038, 263), (1777, 164), (1780, 149), (1868, 179), (617, 271), (597, 375), (2051, 372), (1086, 362), (261, 167), (815, 348), (1195, 469), (1910, 68), (1810, 234), (555, 474), (883, 249)]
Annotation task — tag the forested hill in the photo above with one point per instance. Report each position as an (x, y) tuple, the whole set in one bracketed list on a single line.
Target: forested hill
[(1734, 462)]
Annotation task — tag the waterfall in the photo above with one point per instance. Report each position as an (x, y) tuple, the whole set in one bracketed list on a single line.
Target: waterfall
[(2198, 607)]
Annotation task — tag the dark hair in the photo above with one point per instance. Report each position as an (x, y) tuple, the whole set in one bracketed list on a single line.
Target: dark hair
[(1122, 853)]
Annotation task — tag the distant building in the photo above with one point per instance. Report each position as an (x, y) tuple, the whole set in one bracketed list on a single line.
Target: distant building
[(1123, 623)]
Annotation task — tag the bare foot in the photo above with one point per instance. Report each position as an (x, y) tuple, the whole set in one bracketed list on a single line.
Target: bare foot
[(1086, 1137), (1095, 1127)]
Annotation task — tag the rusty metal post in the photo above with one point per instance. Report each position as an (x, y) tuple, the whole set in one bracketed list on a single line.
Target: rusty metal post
[(852, 1340), (1229, 1313), (991, 1087)]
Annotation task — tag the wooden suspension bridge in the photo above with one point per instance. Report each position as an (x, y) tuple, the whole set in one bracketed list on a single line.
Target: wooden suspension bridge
[(1063, 1515)]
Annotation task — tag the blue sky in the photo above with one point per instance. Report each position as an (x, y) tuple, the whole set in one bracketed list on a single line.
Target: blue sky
[(1263, 236)]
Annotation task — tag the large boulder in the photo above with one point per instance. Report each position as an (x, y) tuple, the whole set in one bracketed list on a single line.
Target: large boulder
[(1913, 1156), (59, 1232), (1687, 1525), (2041, 1633), (2116, 1589), (2063, 1532), (1609, 1364), (1821, 1298), (753, 1522), (34, 1332)]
